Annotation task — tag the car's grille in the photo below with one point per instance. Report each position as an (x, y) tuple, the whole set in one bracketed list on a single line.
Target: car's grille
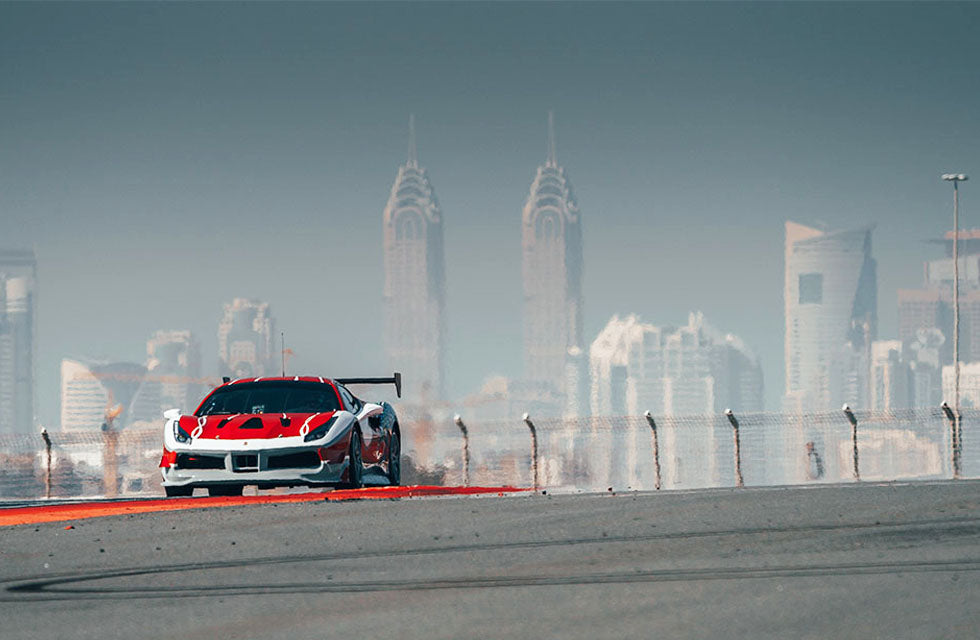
[(189, 461), (299, 460)]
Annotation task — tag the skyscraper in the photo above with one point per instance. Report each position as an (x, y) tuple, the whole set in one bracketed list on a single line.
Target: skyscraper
[(831, 308), (173, 363), (552, 271), (693, 369), (246, 340), (415, 277), (18, 279), (673, 371), (91, 389), (892, 385), (931, 307)]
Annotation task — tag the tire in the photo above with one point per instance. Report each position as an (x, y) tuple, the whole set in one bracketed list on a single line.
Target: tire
[(178, 492), (394, 459), (355, 464), (225, 490)]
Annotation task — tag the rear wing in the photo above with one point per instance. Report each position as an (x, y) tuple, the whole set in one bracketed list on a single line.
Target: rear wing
[(395, 379)]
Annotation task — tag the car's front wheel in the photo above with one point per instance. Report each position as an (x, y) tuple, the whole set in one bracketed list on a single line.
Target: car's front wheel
[(355, 463)]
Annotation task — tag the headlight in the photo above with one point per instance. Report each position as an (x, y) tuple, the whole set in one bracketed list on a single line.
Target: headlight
[(179, 434), (321, 431)]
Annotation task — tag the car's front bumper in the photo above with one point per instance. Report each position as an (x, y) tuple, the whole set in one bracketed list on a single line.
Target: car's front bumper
[(263, 467)]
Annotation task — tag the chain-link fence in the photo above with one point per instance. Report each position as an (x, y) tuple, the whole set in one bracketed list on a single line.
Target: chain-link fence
[(587, 454), (688, 452)]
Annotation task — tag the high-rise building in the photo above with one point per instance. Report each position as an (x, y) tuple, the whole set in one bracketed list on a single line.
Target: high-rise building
[(969, 384), (414, 290), (831, 311), (91, 389), (674, 372), (246, 340), (891, 376), (925, 361), (609, 356), (552, 272), (693, 369), (18, 349), (931, 307), (173, 363)]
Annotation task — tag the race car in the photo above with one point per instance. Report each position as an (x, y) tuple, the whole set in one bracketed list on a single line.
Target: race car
[(282, 432)]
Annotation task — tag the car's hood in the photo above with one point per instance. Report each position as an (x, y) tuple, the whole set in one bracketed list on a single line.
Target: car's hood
[(253, 426)]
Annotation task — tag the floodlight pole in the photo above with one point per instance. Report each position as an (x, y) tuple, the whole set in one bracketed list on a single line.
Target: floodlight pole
[(956, 178)]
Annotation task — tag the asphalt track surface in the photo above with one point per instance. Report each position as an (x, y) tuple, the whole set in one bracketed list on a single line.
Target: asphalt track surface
[(856, 561), (35, 511)]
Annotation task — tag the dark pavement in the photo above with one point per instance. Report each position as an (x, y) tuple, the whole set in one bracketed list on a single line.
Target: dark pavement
[(853, 561)]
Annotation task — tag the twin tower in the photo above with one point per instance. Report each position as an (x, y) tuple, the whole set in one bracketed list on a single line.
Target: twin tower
[(415, 293)]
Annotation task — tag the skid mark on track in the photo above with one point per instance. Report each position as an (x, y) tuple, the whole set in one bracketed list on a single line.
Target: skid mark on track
[(78, 585), (40, 592), (36, 514)]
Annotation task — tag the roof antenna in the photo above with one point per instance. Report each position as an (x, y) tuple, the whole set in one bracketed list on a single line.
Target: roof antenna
[(552, 154), (282, 341), (413, 154)]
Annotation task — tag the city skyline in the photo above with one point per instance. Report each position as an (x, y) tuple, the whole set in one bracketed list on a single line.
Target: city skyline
[(874, 362), (690, 369), (160, 171), (872, 373)]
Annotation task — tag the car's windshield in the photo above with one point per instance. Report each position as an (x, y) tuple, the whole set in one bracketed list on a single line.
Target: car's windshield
[(270, 397)]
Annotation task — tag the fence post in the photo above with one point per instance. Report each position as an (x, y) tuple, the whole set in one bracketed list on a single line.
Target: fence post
[(110, 466), (466, 449), (738, 448), (959, 443), (854, 438), (656, 450), (47, 466), (954, 430), (534, 449)]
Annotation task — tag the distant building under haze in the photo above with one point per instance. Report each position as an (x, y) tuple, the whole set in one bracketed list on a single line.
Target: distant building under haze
[(930, 308), (91, 389), (246, 340), (173, 363), (674, 371), (18, 349), (552, 274), (969, 384), (891, 376), (414, 289), (831, 313)]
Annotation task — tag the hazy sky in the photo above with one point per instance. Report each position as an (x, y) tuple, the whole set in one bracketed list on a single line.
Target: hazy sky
[(165, 158)]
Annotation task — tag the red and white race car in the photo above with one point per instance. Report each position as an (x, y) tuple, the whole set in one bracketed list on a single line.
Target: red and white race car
[(282, 432)]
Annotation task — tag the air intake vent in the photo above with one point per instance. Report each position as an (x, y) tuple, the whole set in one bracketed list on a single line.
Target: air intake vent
[(252, 423), (189, 461), (245, 462), (300, 460)]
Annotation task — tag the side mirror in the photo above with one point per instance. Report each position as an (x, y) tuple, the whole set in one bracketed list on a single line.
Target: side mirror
[(171, 414)]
